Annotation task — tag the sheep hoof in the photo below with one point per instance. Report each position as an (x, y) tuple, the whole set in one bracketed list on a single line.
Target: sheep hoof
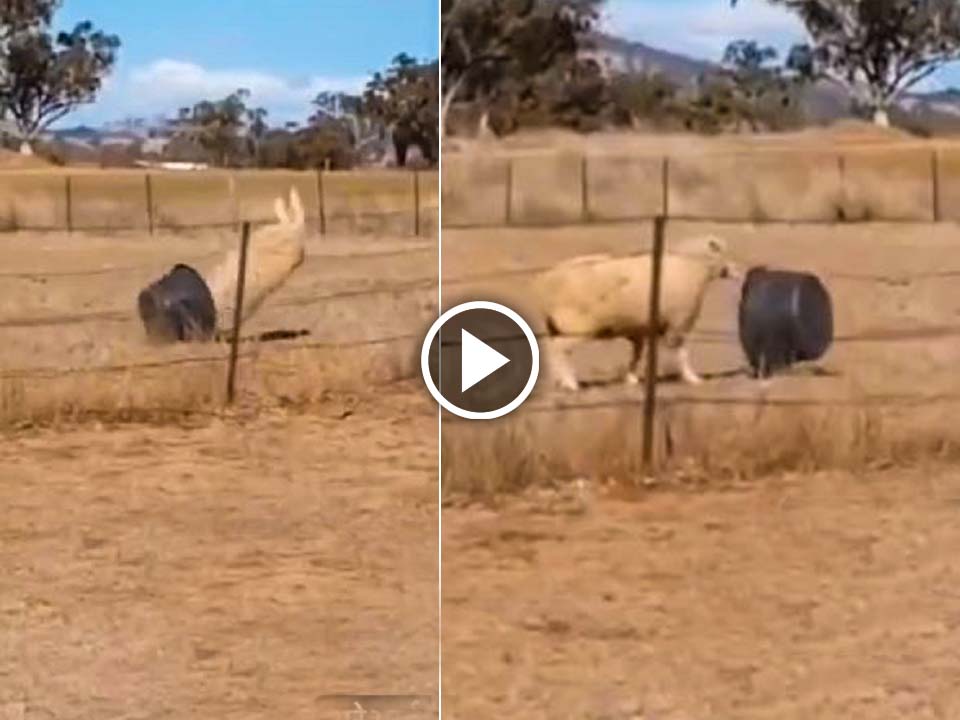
[(693, 379), (631, 379), (568, 384)]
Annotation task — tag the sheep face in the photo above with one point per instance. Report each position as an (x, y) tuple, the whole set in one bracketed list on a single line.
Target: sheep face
[(720, 262)]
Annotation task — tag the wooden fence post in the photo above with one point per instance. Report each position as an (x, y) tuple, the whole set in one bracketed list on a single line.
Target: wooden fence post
[(148, 185), (69, 199), (238, 313), (321, 203), (416, 203), (935, 183), (665, 181), (584, 191), (653, 335), (509, 185)]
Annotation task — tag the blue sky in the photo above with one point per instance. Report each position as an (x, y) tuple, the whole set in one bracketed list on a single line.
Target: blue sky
[(702, 28), (176, 52)]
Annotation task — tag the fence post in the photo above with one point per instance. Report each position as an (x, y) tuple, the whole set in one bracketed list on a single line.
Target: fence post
[(238, 313), (322, 209), (234, 199), (653, 334), (69, 210), (416, 203), (509, 185), (842, 171), (584, 191), (665, 181), (935, 183), (148, 184)]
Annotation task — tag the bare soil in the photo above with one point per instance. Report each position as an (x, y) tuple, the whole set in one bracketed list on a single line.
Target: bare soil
[(232, 569), (826, 596)]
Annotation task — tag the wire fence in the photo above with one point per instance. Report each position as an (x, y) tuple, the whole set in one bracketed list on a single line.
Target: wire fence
[(78, 202), (409, 340), (824, 186)]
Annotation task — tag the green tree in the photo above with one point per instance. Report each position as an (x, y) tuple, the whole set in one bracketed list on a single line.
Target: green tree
[(227, 130), (19, 15), (44, 77), (403, 99), (759, 91), (643, 97), (875, 49), (497, 48)]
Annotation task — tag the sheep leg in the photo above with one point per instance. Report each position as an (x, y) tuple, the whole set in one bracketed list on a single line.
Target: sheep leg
[(679, 346), (686, 369), (559, 360), (633, 373)]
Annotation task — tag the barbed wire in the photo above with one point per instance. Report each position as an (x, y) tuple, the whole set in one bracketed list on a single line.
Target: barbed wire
[(155, 264), (50, 373)]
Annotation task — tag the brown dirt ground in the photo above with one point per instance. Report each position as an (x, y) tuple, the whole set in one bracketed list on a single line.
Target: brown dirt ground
[(828, 596), (234, 569)]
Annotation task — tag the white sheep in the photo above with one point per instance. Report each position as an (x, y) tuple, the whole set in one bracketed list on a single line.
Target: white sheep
[(606, 296), (273, 253)]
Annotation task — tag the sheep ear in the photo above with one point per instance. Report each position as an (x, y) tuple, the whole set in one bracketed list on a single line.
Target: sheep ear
[(280, 209), (297, 216)]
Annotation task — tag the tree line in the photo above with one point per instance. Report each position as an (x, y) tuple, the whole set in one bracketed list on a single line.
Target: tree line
[(506, 64), (45, 75), (512, 63)]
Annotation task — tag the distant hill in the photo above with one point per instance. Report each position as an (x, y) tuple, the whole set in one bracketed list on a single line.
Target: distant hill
[(937, 112)]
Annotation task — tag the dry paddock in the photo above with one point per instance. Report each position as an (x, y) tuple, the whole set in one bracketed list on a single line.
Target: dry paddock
[(798, 559), (279, 559)]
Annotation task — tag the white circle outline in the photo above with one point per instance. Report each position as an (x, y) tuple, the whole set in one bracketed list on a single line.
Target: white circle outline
[(435, 391)]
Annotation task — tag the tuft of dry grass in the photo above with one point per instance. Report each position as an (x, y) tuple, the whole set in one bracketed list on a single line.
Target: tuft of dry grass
[(288, 374), (497, 460), (693, 448)]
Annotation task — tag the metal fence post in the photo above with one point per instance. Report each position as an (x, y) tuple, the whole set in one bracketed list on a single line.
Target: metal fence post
[(653, 334), (238, 313), (69, 199)]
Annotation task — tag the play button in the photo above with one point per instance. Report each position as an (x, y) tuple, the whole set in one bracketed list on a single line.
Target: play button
[(477, 360), (480, 360)]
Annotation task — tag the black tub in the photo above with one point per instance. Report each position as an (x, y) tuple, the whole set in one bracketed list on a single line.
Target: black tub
[(178, 307), (784, 317)]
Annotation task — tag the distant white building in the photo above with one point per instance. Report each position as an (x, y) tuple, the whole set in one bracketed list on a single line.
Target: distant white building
[(179, 166)]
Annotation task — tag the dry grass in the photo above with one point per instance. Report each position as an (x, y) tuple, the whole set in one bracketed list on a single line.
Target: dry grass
[(295, 375), (361, 201), (484, 464)]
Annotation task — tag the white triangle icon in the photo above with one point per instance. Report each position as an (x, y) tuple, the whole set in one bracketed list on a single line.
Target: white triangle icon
[(477, 360)]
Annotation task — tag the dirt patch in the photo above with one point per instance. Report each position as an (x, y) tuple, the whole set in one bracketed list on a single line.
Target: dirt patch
[(222, 570), (829, 596)]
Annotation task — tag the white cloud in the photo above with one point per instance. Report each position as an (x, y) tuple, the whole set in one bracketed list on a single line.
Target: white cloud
[(702, 27), (165, 85)]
